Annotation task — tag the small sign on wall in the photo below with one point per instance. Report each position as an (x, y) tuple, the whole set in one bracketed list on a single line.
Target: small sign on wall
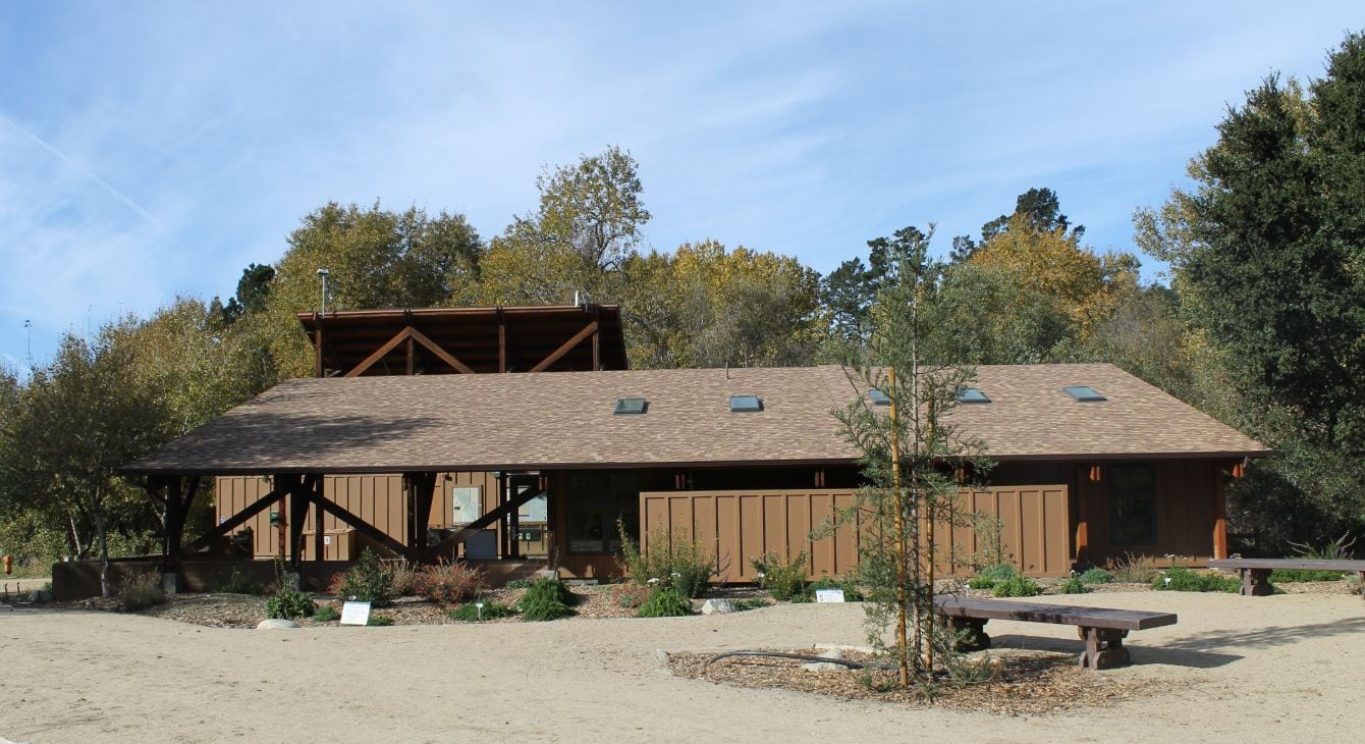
[(829, 595), (355, 613)]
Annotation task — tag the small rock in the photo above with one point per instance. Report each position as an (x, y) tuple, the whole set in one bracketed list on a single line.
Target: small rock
[(823, 666), (718, 607), (276, 624)]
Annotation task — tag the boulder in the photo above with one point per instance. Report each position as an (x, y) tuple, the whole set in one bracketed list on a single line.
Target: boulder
[(718, 607), (276, 624), (823, 666)]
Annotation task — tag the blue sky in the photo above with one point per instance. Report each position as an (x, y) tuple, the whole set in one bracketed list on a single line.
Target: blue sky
[(149, 150)]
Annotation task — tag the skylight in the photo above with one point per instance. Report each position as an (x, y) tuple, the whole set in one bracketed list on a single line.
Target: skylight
[(972, 395), (630, 406), (879, 398), (745, 404), (1083, 393)]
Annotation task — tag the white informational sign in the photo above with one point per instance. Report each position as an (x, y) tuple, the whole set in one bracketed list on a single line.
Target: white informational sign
[(355, 613), (829, 595)]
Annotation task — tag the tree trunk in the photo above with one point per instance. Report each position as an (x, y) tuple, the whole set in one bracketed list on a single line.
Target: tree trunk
[(102, 536)]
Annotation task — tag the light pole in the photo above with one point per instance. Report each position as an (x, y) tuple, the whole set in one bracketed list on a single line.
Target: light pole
[(323, 273)]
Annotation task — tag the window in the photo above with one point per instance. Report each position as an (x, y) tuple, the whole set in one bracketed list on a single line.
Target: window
[(594, 502), (972, 395), (878, 398), (745, 404), (1132, 504), (1083, 393), (630, 406)]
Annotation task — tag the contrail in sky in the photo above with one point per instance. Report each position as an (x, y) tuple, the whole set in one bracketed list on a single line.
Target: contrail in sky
[(108, 187)]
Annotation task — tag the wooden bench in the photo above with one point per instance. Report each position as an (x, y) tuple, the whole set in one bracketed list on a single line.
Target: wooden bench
[(1256, 571), (1103, 629)]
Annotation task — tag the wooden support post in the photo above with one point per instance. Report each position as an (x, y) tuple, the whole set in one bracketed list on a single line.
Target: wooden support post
[(319, 553), (318, 368), (514, 532), (1256, 583), (596, 342), (566, 347), (1082, 524), (502, 341), (380, 353), (420, 490), (412, 357), (435, 348), (1103, 648), (300, 496), (1220, 516)]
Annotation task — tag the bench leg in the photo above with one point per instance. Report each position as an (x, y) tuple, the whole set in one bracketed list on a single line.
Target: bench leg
[(1256, 582), (1103, 648), (969, 633)]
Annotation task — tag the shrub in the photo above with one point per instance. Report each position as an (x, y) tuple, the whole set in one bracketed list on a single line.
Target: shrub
[(665, 602), (1294, 575), (1018, 586), (1180, 579), (1134, 569), (750, 603), (1075, 585), (470, 612), (367, 581), (141, 590), (851, 591), (239, 583), (518, 584), (1334, 550), (406, 582), (380, 621), (289, 604), (785, 580), (449, 583), (1096, 575), (547, 599), (993, 575), (326, 614), (685, 563)]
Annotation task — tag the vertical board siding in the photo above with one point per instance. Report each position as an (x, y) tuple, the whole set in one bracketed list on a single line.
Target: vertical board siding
[(741, 526)]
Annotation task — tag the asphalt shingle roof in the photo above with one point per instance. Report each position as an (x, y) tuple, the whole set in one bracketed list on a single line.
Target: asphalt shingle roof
[(565, 419)]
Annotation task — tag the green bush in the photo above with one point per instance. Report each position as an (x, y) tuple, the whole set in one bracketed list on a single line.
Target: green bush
[(239, 583), (289, 604), (326, 614), (1096, 575), (1181, 579), (367, 581), (518, 584), (665, 602), (1018, 586), (993, 575), (750, 603), (851, 591), (547, 599), (676, 558), (470, 612), (785, 580), (1294, 575), (1075, 585), (141, 590), (380, 621)]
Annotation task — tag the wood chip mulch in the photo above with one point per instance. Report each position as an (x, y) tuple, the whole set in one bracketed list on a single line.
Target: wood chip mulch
[(1021, 683)]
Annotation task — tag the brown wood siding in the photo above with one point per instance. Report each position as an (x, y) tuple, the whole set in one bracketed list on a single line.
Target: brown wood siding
[(741, 526), (1185, 516)]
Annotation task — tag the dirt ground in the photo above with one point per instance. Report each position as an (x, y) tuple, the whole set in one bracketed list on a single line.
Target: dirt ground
[(1271, 669)]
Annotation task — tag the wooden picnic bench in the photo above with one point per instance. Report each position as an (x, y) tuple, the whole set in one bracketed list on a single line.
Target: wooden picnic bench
[(1256, 571), (1103, 629)]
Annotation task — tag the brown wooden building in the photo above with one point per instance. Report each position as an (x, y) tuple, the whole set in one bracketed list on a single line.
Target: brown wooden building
[(1083, 476)]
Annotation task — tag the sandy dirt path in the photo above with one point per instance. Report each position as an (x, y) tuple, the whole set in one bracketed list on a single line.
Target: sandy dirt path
[(1273, 669)]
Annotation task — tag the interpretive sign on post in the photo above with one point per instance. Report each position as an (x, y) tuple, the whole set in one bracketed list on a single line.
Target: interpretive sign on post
[(355, 613)]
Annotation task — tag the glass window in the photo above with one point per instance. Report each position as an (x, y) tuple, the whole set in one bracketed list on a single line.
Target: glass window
[(745, 403), (1132, 504), (1083, 393), (972, 395), (630, 406), (594, 502), (879, 398)]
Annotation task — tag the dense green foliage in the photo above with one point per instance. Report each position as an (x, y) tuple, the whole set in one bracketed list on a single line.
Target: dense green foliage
[(326, 614), (546, 599), (290, 604), (675, 560), (1095, 575), (471, 612), (785, 579), (992, 575), (665, 602), (1017, 586), (1074, 585), (367, 581), (1181, 579)]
